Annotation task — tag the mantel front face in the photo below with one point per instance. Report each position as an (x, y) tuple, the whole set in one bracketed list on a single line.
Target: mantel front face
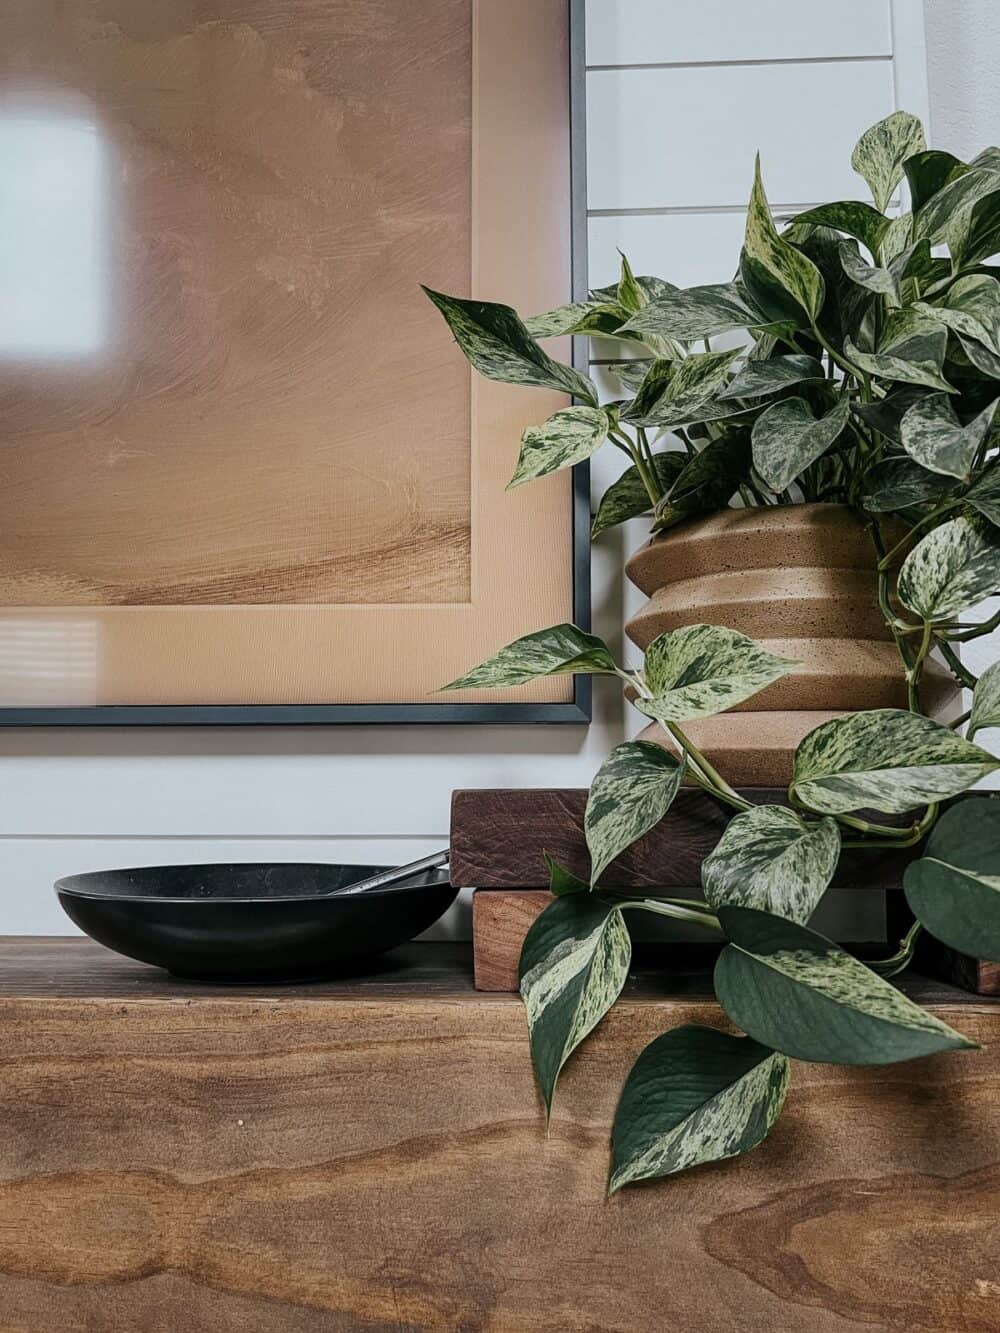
[(244, 466)]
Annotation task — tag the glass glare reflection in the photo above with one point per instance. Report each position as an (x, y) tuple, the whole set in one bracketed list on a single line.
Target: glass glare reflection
[(53, 259)]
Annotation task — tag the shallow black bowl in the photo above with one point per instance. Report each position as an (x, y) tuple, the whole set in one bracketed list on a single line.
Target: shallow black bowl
[(250, 922)]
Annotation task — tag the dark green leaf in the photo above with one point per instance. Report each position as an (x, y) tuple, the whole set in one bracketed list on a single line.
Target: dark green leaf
[(558, 651), (629, 374), (974, 234), (857, 219), (632, 791), (897, 483), (561, 882), (954, 889), (986, 701), (940, 211), (928, 172), (886, 414), (884, 759), (787, 438), (707, 481), (772, 859), (797, 992), (694, 1095), (879, 154), (574, 963), (628, 498), (955, 566), (984, 495), (496, 342)]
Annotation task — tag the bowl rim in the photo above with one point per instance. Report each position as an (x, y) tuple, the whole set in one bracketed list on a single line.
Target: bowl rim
[(63, 888)]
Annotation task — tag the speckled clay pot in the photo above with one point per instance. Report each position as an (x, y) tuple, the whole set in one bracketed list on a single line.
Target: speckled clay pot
[(800, 579)]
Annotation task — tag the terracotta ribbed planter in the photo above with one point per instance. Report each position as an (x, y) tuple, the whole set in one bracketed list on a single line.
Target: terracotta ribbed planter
[(800, 579)]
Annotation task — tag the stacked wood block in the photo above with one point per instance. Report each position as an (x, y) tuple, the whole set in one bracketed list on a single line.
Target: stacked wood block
[(499, 839)]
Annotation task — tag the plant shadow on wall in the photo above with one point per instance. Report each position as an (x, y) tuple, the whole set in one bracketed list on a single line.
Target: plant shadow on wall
[(869, 379)]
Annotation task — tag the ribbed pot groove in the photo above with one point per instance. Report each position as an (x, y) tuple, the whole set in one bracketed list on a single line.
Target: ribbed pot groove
[(800, 579)]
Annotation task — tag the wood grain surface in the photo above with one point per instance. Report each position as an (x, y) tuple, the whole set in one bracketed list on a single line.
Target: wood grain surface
[(216, 1163), (499, 838), (500, 920)]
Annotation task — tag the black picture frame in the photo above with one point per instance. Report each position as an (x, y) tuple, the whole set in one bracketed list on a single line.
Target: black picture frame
[(578, 710)]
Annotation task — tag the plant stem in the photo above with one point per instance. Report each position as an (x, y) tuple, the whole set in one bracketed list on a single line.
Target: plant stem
[(914, 672), (958, 668), (635, 453), (718, 783), (669, 909), (961, 720), (889, 967), (977, 631), (887, 560)]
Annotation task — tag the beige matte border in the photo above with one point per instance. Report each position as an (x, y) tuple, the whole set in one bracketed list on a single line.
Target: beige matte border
[(521, 542)]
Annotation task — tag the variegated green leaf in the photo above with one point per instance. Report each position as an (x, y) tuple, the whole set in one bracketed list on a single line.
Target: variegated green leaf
[(574, 963), (986, 701), (630, 295), (884, 759), (697, 312), (787, 438), (677, 392), (699, 670), (974, 234), (496, 342), (632, 791), (917, 360), (759, 379), (561, 881), (878, 280), (597, 317), (630, 374), (769, 254), (707, 481), (935, 217), (864, 223), (984, 495), (694, 1095), (879, 154), (955, 566), (886, 414), (897, 237), (797, 992), (560, 650), (933, 435), (568, 437), (954, 889), (897, 483), (628, 498), (772, 859)]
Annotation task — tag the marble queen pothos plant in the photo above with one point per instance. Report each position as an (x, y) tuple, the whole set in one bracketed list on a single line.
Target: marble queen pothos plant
[(869, 375)]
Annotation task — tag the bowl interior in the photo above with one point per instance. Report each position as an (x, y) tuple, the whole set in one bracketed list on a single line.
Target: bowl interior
[(247, 881)]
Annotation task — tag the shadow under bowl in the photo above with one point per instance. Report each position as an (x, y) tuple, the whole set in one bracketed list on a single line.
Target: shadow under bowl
[(252, 922)]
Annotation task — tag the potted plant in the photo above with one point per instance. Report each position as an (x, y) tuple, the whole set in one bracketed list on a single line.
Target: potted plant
[(861, 403)]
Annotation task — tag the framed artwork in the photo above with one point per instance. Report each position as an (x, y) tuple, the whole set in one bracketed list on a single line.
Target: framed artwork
[(245, 475)]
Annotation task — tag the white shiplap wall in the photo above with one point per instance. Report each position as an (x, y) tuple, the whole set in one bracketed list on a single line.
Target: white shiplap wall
[(680, 95)]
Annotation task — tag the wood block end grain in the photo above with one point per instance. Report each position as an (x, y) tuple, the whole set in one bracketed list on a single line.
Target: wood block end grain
[(500, 921)]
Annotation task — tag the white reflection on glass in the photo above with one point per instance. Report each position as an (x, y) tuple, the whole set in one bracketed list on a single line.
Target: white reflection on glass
[(53, 250), (47, 662)]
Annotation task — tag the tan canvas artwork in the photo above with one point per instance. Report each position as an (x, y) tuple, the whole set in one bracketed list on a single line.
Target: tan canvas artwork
[(241, 460)]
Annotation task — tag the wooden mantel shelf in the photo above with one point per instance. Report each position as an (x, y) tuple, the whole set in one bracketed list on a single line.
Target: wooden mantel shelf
[(370, 1154)]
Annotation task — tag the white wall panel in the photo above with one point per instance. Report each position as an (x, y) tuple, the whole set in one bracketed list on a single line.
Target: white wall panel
[(676, 138), (638, 32), (687, 137)]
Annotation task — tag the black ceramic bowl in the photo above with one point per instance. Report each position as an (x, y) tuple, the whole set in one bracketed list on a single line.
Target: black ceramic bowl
[(249, 922)]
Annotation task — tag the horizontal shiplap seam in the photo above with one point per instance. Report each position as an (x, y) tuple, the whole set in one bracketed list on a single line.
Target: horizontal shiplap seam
[(740, 64), (679, 210)]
